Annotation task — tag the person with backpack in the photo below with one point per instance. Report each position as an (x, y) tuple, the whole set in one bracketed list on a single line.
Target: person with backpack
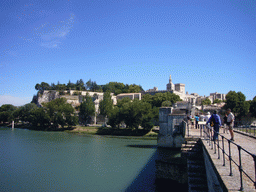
[(215, 122)]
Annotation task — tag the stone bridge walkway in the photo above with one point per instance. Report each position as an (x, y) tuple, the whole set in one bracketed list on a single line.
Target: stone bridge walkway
[(248, 143)]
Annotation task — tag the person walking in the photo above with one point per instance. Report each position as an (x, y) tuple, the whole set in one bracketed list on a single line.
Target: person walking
[(207, 117), (230, 123), (225, 123), (196, 121), (192, 119), (215, 119)]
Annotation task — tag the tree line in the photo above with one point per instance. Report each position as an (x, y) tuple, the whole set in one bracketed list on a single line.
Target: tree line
[(133, 114), (144, 113), (113, 87), (59, 113)]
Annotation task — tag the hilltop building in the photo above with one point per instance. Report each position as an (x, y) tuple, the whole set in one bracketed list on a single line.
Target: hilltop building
[(179, 89)]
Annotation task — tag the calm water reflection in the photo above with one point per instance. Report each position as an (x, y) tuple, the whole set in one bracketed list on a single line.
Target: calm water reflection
[(53, 161)]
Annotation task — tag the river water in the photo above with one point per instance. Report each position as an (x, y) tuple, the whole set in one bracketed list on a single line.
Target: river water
[(60, 161)]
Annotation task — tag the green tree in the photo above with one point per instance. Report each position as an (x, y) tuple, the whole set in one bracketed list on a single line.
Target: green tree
[(121, 102), (131, 114), (217, 101), (148, 98), (236, 102), (167, 104), (114, 118), (93, 86), (6, 113), (106, 105), (87, 109), (43, 86), (114, 87), (253, 107), (60, 113), (159, 98), (147, 116), (134, 88), (137, 113), (206, 101), (39, 118), (24, 112), (80, 86), (71, 86)]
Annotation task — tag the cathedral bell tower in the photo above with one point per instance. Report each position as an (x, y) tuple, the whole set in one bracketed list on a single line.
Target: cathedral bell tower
[(170, 85)]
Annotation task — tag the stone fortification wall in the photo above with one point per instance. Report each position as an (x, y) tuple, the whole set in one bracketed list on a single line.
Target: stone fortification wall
[(73, 97), (47, 96)]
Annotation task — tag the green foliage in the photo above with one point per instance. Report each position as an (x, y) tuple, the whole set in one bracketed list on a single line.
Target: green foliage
[(114, 117), (106, 105), (6, 113), (87, 109), (236, 102), (113, 87), (217, 101), (253, 107), (134, 88), (80, 85), (157, 99), (117, 88), (39, 118), (23, 113), (121, 102), (167, 104), (132, 113), (43, 86), (92, 86), (206, 101), (148, 98), (60, 113)]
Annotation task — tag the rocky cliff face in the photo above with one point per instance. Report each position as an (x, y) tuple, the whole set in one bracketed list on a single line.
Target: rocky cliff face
[(46, 96)]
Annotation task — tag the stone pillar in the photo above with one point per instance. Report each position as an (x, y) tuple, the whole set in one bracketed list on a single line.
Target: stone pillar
[(170, 129)]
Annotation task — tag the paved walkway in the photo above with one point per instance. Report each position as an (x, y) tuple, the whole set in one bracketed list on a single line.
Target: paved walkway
[(248, 165)]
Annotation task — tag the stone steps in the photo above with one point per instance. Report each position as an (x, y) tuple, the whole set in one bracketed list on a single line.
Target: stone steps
[(197, 180)]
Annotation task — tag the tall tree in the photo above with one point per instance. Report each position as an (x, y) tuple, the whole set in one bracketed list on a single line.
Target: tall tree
[(114, 118), (253, 107), (87, 109), (106, 105), (236, 102)]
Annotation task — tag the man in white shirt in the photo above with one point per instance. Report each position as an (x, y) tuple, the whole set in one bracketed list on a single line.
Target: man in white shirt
[(207, 117), (230, 123)]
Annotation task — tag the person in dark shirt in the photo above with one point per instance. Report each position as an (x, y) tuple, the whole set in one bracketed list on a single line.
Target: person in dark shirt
[(215, 118)]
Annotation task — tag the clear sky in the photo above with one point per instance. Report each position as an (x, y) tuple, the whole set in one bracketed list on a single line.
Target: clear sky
[(208, 45)]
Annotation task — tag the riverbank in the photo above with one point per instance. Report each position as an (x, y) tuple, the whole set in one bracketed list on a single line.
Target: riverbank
[(95, 130), (140, 133)]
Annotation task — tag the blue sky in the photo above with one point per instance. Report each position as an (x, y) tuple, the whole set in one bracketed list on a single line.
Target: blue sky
[(208, 45)]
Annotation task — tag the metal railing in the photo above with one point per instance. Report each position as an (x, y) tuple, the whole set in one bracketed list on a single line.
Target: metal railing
[(219, 147), (246, 129)]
